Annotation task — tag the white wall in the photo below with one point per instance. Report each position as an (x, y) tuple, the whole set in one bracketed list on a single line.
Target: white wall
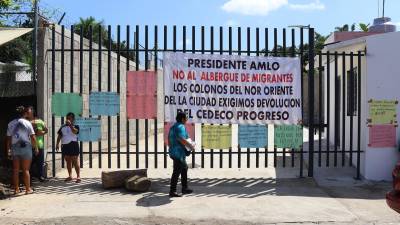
[(383, 61)]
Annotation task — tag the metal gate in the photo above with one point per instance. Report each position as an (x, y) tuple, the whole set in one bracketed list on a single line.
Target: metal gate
[(90, 59)]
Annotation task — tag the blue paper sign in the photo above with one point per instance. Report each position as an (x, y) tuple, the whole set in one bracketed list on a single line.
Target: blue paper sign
[(104, 103), (89, 129), (253, 136)]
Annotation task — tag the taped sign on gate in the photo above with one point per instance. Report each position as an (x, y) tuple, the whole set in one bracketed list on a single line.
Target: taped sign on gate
[(141, 94), (253, 136), (288, 136), (216, 136), (104, 103), (227, 89), (89, 129)]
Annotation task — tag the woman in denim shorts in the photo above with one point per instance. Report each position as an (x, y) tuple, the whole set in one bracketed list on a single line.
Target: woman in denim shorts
[(20, 139)]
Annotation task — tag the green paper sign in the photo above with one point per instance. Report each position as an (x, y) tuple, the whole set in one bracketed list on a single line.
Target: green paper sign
[(382, 112), (288, 136), (216, 137), (63, 103)]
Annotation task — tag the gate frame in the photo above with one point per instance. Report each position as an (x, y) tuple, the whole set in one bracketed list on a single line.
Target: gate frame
[(146, 50)]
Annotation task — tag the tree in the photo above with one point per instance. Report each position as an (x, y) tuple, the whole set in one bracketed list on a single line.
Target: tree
[(17, 50), (319, 41), (353, 27), (20, 48), (5, 4), (343, 28), (346, 28), (98, 28), (363, 27), (360, 26)]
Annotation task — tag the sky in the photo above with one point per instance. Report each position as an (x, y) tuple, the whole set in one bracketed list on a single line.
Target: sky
[(323, 15)]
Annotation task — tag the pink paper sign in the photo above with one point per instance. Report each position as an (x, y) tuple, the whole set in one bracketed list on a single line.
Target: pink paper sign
[(382, 136), (190, 128), (141, 95)]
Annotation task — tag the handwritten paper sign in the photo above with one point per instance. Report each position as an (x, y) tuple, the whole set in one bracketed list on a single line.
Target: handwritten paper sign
[(190, 128), (253, 136), (288, 136), (141, 95), (89, 129), (382, 112), (382, 136), (216, 136), (63, 103), (104, 103)]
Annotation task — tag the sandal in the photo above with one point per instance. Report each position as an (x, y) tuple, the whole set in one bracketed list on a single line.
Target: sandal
[(16, 193), (78, 180), (68, 179), (29, 192)]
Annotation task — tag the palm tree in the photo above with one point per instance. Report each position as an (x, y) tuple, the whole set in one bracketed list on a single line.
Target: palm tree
[(353, 27), (342, 28), (363, 27), (98, 28)]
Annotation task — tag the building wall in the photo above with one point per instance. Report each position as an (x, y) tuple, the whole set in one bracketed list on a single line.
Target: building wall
[(380, 80), (383, 83), (45, 84)]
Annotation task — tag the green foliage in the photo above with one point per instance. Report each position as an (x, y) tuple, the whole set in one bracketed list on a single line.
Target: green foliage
[(4, 4), (100, 30), (363, 27), (319, 41), (354, 27), (343, 28), (19, 49)]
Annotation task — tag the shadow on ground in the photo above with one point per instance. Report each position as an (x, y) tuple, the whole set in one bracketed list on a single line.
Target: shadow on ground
[(220, 187)]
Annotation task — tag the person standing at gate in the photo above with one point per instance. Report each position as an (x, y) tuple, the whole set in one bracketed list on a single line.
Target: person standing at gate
[(68, 135), (178, 143), (20, 140), (40, 130)]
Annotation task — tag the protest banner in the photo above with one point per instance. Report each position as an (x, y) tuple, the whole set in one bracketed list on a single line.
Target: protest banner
[(89, 129), (253, 136), (216, 136), (229, 89), (104, 103), (63, 103)]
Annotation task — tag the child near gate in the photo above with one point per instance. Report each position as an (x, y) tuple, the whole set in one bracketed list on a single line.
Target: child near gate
[(68, 135)]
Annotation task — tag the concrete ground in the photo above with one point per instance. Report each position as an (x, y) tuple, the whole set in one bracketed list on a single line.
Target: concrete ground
[(222, 196)]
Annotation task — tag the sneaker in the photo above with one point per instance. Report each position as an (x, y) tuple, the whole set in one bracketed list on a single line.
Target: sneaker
[(187, 191), (174, 194), (42, 179)]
